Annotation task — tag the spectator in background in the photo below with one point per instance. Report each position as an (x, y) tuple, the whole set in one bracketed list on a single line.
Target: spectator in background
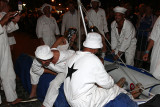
[(47, 27), (96, 17), (7, 74), (70, 18), (140, 13), (143, 32), (123, 36), (130, 15)]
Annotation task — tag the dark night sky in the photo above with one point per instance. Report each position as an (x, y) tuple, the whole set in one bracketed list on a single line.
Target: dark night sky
[(37, 3)]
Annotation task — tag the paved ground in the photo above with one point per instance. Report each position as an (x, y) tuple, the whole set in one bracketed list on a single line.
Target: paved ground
[(25, 44)]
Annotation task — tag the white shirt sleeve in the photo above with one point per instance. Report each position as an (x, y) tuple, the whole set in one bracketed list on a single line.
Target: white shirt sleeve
[(39, 28), (1, 30), (103, 79), (114, 40), (105, 25), (63, 24), (156, 30), (55, 68), (57, 28), (37, 67), (11, 27)]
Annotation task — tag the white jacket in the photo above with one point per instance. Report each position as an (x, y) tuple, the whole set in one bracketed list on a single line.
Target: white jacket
[(80, 88), (69, 20), (97, 19), (46, 29), (155, 56), (124, 42)]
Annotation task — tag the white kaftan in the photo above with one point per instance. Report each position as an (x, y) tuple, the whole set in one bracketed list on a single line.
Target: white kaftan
[(97, 19), (7, 74), (69, 20), (46, 29)]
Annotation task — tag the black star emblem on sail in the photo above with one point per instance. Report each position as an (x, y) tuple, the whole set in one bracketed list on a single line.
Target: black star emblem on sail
[(71, 71)]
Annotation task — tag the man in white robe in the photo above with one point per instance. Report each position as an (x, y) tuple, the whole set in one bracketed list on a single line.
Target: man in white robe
[(96, 17), (123, 36), (47, 27), (87, 83), (155, 56), (7, 74), (70, 18), (49, 61)]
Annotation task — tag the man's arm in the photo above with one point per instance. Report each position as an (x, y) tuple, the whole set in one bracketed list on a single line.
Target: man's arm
[(105, 23), (63, 24), (5, 19), (39, 29), (150, 45), (57, 42)]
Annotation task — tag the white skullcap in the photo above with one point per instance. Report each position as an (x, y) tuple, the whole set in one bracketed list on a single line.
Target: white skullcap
[(93, 41), (120, 10), (44, 5), (43, 52), (96, 1)]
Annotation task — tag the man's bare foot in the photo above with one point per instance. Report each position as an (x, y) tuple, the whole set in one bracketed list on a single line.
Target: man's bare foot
[(16, 101), (121, 82)]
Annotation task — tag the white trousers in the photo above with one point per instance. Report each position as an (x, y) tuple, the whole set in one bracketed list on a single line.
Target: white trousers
[(53, 90)]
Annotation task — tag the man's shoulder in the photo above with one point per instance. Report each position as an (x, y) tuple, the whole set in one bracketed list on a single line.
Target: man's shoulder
[(89, 57), (41, 17), (101, 10), (113, 24), (128, 24)]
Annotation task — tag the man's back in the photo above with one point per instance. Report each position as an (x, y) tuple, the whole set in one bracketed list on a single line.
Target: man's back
[(85, 74)]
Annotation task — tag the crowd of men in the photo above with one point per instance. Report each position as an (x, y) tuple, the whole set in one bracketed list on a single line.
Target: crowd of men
[(86, 82)]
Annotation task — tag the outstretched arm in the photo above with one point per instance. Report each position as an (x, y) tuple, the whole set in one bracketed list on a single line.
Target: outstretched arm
[(58, 42)]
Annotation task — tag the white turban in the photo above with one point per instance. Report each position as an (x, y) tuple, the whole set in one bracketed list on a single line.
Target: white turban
[(44, 5), (93, 41), (96, 1), (44, 52), (120, 10)]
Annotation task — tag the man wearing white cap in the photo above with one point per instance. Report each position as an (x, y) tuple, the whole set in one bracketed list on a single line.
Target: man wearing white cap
[(96, 17), (7, 74), (47, 27), (87, 83), (123, 36), (49, 61)]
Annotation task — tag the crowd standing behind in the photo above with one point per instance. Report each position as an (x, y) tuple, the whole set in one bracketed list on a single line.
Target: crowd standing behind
[(142, 17)]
